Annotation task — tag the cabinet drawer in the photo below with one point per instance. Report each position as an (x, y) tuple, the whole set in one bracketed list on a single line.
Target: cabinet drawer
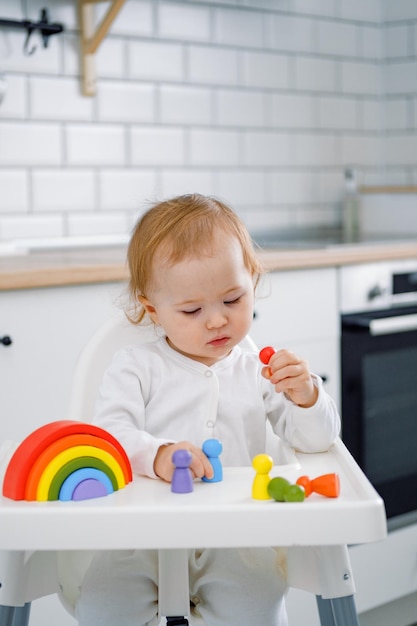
[(385, 571), (296, 305)]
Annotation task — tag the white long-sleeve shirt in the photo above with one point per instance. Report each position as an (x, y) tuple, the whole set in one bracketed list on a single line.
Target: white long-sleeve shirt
[(152, 395)]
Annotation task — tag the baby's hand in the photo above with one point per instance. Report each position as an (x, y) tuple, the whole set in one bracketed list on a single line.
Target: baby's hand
[(164, 467), (291, 375)]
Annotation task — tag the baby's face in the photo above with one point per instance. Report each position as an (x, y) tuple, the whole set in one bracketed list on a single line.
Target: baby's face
[(204, 304)]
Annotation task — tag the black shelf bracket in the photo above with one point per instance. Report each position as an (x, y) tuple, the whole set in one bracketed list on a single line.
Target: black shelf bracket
[(44, 26)]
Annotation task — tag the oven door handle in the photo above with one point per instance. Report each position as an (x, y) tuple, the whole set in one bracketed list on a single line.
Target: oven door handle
[(385, 325), (392, 325)]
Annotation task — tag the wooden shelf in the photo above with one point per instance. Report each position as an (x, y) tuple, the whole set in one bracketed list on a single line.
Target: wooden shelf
[(91, 36), (388, 189)]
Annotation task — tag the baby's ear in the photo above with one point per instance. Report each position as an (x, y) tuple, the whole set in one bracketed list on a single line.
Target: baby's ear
[(149, 308)]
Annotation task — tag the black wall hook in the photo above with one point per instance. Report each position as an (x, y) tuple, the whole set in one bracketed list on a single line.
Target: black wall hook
[(44, 26)]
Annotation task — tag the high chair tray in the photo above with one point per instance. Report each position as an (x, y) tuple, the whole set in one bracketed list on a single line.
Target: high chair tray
[(146, 514)]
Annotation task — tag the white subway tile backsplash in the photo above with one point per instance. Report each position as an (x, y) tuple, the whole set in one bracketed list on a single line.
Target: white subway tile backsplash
[(293, 110), (262, 102), (370, 11), (236, 107), (317, 150), (336, 112), (135, 18), (266, 148), (179, 21), (31, 226), (71, 55), (290, 33), (396, 114), (371, 115), (241, 187), (110, 59), (315, 216), (239, 28), (291, 187), (337, 38), (315, 74), (179, 104), (214, 147), (62, 12), (95, 145), (14, 105), (413, 107), (152, 60), (401, 77), (126, 102), (30, 144), (63, 190), (58, 99), (329, 187), (361, 78), (180, 181), (362, 151), (14, 191), (12, 11), (265, 69), (14, 59), (396, 41), (261, 220), (97, 223), (211, 65), (371, 42), (326, 8), (398, 10), (125, 189), (401, 149), (157, 146)]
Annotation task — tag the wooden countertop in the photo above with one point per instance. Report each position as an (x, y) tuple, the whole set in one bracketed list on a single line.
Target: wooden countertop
[(84, 266)]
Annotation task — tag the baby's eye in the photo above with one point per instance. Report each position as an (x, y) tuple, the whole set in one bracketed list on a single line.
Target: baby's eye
[(235, 301), (193, 312)]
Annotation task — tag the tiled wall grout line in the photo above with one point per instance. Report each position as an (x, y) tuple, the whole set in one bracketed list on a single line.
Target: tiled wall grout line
[(264, 106)]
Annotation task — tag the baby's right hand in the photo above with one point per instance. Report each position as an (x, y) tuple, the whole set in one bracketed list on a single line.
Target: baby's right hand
[(164, 467)]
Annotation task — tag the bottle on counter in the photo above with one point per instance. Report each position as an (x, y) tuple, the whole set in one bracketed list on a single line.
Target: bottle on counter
[(350, 209)]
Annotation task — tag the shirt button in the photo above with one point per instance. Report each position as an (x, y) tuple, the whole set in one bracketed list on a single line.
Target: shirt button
[(209, 374), (210, 424)]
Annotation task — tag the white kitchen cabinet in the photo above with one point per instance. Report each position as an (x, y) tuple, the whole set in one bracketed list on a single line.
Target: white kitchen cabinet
[(48, 327), (298, 310)]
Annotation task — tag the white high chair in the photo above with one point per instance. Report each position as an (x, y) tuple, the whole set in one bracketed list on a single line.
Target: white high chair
[(94, 359), (27, 575)]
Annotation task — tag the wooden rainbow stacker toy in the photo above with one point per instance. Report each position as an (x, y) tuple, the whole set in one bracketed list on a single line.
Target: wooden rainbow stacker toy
[(66, 460)]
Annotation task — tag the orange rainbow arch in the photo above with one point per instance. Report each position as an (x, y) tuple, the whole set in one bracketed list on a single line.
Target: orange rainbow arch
[(66, 460)]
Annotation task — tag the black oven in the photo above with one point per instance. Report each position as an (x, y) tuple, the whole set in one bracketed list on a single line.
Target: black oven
[(379, 388)]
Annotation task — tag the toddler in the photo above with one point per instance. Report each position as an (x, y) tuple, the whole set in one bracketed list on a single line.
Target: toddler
[(193, 274)]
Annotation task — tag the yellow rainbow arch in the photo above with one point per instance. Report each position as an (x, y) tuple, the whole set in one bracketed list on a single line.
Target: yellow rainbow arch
[(53, 467)]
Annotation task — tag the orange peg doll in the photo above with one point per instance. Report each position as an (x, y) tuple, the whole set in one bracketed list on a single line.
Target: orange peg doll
[(326, 485)]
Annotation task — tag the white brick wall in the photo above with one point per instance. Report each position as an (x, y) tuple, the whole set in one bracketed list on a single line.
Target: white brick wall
[(262, 102)]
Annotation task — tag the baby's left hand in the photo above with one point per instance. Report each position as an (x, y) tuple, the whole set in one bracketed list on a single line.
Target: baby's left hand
[(291, 375)]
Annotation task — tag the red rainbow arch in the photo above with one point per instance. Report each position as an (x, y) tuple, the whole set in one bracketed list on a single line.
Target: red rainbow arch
[(66, 460)]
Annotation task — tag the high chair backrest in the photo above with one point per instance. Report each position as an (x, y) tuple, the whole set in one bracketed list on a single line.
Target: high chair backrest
[(97, 354)]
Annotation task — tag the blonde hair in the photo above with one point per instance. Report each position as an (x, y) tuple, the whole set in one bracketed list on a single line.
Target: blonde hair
[(176, 229)]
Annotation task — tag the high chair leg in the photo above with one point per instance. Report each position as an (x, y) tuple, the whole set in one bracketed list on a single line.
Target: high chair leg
[(337, 611), (15, 616)]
